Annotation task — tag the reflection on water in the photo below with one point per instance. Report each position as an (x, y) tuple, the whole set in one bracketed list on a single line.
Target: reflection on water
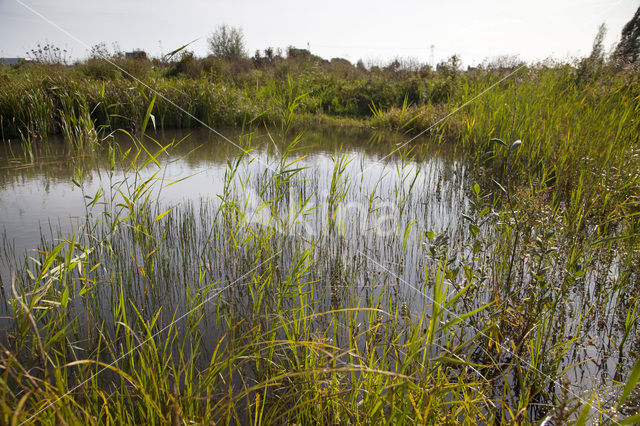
[(41, 197), (370, 224)]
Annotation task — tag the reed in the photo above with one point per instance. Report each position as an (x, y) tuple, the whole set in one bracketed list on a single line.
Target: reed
[(294, 310), (569, 121)]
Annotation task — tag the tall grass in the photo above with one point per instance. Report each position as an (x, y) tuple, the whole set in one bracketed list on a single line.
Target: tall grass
[(570, 121), (225, 313), (246, 338), (197, 313)]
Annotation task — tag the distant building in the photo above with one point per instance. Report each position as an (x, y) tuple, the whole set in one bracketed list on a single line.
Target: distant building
[(136, 54), (11, 61)]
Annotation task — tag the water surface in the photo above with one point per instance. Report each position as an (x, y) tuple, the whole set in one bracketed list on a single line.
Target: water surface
[(370, 220)]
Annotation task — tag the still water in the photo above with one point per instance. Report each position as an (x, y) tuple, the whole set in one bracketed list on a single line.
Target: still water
[(372, 220), (39, 197)]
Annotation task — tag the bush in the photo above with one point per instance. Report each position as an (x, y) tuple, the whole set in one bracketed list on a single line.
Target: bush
[(227, 42)]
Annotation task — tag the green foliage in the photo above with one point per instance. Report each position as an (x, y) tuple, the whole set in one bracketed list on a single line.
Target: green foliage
[(92, 320), (628, 49), (227, 42), (298, 341), (554, 109)]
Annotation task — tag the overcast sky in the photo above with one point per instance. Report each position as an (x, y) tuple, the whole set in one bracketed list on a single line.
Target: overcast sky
[(371, 30)]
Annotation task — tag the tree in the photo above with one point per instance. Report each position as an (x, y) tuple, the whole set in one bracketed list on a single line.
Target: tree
[(628, 50), (227, 42), (597, 52)]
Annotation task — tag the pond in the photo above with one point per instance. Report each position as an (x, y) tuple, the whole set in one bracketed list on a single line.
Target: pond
[(39, 197), (332, 224)]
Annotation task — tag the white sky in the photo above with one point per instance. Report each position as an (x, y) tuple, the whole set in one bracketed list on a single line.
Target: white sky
[(372, 29)]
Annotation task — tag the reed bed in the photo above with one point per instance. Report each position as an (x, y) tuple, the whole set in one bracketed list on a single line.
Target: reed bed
[(238, 312), (493, 288), (572, 119)]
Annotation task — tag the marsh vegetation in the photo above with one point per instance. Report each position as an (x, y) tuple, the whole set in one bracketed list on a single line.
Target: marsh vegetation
[(327, 260)]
